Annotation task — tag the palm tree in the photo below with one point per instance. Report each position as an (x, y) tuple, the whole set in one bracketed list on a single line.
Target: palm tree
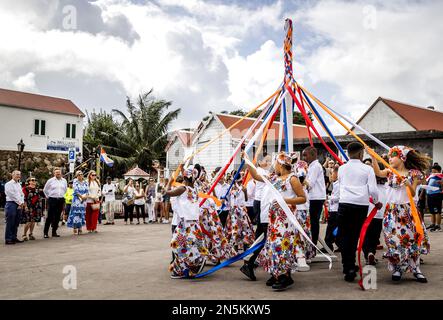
[(142, 137)]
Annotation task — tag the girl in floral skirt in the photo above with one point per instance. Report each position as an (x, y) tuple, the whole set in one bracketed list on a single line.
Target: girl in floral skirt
[(218, 246), (239, 229), (278, 256), (305, 250), (187, 243), (398, 226)]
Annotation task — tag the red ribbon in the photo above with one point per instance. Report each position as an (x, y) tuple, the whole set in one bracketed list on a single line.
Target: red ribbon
[(304, 114), (361, 241)]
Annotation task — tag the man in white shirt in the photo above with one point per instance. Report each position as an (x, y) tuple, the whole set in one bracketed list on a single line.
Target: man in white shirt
[(108, 191), (55, 189), (15, 200), (315, 180), (357, 184)]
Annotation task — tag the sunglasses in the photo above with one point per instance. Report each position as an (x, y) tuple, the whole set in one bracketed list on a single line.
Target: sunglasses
[(32, 180), (93, 175)]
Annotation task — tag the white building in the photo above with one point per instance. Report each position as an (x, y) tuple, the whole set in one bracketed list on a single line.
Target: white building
[(178, 147), (46, 124)]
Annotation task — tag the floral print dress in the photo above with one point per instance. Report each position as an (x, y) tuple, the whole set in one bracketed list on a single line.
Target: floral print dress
[(238, 228), (398, 227), (33, 202), (188, 243), (278, 256), (76, 218), (218, 246), (304, 248)]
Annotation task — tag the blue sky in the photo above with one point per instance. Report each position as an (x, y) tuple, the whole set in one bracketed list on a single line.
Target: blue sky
[(221, 55)]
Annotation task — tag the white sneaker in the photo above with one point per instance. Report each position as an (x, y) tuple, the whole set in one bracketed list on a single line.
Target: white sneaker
[(302, 266)]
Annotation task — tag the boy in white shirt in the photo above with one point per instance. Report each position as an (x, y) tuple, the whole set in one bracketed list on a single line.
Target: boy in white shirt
[(333, 200), (357, 184)]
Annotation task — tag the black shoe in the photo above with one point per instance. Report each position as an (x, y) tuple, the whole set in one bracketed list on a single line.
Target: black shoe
[(371, 259), (396, 276), (54, 235), (271, 281), (46, 236), (431, 226), (284, 282), (350, 276), (9, 242), (18, 241), (420, 277), (248, 271)]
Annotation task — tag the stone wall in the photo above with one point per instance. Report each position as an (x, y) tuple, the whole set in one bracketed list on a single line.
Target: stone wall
[(39, 163)]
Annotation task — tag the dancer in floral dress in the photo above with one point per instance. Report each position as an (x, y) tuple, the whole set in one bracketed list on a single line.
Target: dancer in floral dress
[(188, 244), (76, 218), (305, 250), (278, 256), (239, 229), (218, 246), (399, 229)]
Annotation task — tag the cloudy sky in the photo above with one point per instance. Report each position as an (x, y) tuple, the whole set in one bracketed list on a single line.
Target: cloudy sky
[(220, 55)]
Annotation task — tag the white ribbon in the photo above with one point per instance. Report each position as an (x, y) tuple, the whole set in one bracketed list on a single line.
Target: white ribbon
[(291, 217)]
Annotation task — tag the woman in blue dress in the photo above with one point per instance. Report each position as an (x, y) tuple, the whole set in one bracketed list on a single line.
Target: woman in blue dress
[(76, 219)]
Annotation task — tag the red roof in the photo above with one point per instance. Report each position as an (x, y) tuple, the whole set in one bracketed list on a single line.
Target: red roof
[(38, 102), (299, 131), (418, 117), (136, 172), (183, 135)]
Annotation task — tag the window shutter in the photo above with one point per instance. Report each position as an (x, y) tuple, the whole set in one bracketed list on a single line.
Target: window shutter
[(37, 127), (73, 127), (43, 127), (68, 130)]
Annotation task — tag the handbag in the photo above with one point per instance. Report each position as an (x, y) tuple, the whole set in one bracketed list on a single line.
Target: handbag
[(95, 206)]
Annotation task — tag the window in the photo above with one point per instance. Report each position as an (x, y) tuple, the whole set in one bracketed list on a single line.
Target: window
[(70, 130), (40, 127)]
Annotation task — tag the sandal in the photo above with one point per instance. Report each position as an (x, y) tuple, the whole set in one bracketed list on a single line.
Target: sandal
[(31, 237), (24, 238), (420, 277)]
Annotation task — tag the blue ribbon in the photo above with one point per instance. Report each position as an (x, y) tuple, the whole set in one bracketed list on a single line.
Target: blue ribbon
[(285, 123), (231, 260), (325, 126), (334, 233)]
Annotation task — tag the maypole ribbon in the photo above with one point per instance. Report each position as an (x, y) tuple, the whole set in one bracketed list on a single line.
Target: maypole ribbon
[(303, 112), (414, 212), (361, 241), (291, 217)]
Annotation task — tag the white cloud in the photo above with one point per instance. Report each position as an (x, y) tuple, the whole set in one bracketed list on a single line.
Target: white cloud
[(25, 82)]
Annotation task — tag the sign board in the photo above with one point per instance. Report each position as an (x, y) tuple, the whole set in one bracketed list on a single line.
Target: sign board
[(71, 155), (61, 145), (71, 167)]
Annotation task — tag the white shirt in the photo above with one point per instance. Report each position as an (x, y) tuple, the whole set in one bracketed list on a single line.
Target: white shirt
[(316, 181), (250, 190), (259, 186), (94, 191), (220, 191), (55, 188), (335, 197), (175, 209), (109, 192), (382, 194), (14, 192), (357, 183), (139, 201)]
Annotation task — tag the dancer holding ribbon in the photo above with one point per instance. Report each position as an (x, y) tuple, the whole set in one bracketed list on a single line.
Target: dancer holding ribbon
[(187, 243), (278, 256), (405, 240)]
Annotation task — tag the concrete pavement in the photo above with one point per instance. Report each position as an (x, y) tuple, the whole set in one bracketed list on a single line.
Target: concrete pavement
[(131, 262)]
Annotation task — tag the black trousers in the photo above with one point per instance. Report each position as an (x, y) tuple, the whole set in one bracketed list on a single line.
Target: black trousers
[(330, 239), (256, 206), (251, 214), (129, 212), (315, 209), (139, 208), (55, 208), (261, 228), (372, 238), (350, 220), (223, 216)]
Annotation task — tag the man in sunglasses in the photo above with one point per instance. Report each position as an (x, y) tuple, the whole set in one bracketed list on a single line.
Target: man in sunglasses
[(55, 189)]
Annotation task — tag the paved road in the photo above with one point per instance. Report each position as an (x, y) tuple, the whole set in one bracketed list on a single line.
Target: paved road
[(130, 262)]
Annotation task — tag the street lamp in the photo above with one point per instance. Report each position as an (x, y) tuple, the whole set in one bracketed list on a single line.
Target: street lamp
[(20, 148)]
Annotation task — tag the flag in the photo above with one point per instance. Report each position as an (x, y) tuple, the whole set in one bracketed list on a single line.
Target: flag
[(104, 158)]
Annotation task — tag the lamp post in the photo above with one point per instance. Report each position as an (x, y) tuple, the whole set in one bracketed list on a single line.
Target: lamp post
[(20, 148)]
